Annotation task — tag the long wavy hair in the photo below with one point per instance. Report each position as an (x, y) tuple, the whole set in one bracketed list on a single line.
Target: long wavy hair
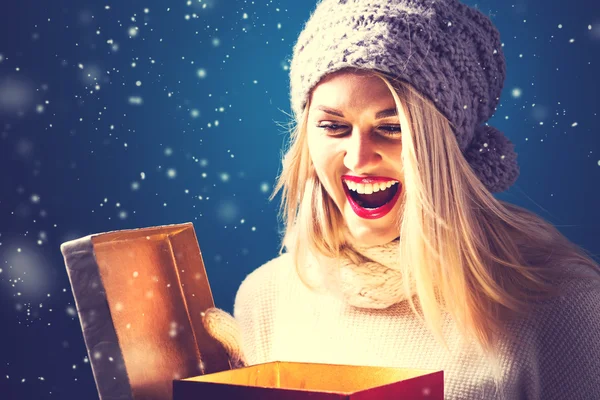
[(480, 259)]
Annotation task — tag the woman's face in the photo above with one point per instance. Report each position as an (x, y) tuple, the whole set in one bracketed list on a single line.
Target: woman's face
[(355, 144)]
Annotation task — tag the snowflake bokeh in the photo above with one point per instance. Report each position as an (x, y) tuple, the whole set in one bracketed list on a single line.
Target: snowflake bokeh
[(121, 115)]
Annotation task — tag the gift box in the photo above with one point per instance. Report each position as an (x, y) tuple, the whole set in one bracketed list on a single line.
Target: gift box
[(299, 381), (139, 295)]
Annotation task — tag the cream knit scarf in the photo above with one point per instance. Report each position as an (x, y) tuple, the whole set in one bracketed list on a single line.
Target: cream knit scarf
[(374, 283)]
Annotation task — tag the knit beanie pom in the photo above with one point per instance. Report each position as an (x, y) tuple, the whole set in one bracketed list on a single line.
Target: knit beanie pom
[(492, 157)]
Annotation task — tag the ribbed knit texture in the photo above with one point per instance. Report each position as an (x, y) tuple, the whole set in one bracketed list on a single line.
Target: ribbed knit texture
[(552, 355), (223, 327)]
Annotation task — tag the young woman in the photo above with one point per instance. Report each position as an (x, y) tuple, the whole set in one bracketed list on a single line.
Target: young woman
[(397, 253)]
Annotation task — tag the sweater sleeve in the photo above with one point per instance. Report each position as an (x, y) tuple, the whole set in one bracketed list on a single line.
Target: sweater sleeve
[(569, 346), (254, 309)]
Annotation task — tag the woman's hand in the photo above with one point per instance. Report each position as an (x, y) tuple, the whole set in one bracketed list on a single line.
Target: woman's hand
[(225, 329)]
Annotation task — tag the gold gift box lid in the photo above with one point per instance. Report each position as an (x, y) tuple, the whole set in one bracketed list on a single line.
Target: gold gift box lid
[(139, 294), (297, 381)]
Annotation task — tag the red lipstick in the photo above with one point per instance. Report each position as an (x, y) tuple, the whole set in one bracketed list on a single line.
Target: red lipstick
[(370, 213), (367, 179)]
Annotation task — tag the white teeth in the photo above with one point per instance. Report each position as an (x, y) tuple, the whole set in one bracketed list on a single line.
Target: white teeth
[(368, 188)]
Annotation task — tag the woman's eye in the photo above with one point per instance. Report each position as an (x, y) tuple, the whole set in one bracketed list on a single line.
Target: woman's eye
[(391, 130), (332, 127)]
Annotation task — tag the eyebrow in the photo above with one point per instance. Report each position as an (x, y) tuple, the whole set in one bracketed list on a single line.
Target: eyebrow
[(390, 112)]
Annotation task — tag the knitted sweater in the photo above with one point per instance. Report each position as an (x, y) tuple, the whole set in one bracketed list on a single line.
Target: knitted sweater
[(553, 354)]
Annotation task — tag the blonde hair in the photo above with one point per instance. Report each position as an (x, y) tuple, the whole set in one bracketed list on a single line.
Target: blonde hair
[(480, 259)]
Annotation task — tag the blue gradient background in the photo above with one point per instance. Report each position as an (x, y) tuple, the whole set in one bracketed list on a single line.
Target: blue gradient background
[(72, 156)]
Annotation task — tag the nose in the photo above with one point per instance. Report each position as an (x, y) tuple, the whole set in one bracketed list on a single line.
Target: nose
[(361, 153)]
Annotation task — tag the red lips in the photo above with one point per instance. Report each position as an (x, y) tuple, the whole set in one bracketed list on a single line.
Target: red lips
[(367, 179), (370, 213)]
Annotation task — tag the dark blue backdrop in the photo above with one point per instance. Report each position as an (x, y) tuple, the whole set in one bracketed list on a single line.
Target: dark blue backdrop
[(127, 114)]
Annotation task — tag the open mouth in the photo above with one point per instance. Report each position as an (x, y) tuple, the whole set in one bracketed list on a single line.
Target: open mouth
[(371, 198), (374, 199)]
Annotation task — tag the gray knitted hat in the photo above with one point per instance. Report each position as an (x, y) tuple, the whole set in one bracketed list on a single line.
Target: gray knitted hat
[(449, 52)]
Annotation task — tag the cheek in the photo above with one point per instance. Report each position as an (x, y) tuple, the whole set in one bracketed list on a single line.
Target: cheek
[(394, 158), (318, 151)]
